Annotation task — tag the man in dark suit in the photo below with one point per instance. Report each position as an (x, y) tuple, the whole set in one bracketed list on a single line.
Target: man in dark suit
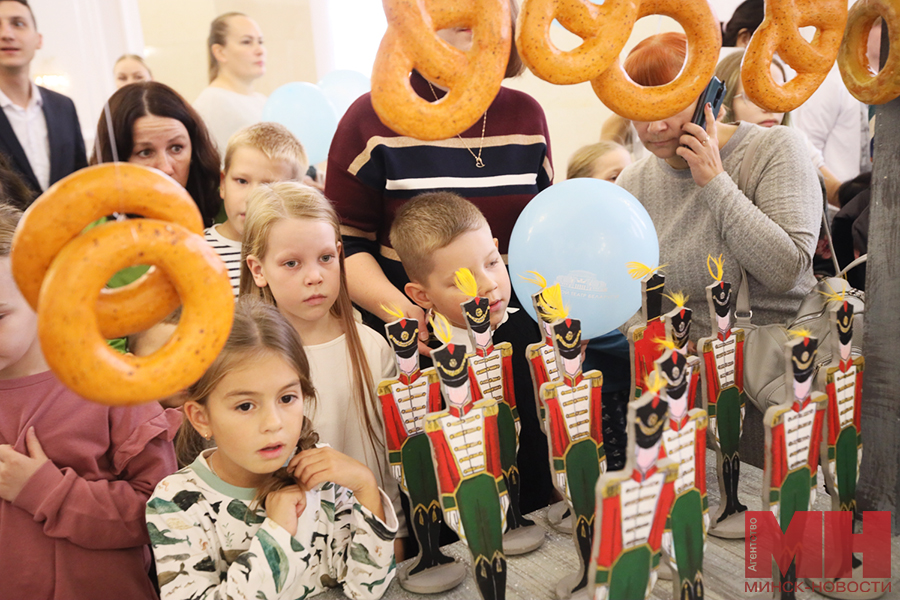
[(39, 130)]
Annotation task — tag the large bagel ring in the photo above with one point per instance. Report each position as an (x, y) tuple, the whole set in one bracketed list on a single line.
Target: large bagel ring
[(473, 78), (73, 203), (68, 323), (627, 99), (779, 32), (855, 68), (604, 28)]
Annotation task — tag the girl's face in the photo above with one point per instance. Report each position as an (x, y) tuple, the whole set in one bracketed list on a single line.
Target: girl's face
[(243, 54), (301, 268), (608, 166), (745, 110), (128, 71), (255, 415), (162, 143)]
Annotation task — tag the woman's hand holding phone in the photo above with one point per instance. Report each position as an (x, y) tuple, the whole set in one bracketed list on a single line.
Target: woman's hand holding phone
[(700, 148)]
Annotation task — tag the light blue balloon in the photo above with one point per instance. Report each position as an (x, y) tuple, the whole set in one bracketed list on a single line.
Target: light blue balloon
[(581, 233), (343, 87), (307, 113)]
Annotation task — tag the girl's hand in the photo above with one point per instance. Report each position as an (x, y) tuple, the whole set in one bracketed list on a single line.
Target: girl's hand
[(702, 152), (319, 465), (285, 507), (16, 469)]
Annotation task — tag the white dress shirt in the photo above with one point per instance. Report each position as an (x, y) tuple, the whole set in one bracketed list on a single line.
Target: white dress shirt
[(30, 128)]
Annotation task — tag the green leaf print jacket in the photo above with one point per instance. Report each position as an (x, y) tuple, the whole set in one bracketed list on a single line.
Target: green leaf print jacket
[(209, 544)]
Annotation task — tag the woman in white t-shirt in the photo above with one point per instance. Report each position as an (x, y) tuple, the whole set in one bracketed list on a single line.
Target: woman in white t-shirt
[(237, 58)]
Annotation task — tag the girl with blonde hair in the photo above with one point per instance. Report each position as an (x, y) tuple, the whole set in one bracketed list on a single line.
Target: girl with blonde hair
[(237, 58), (293, 258)]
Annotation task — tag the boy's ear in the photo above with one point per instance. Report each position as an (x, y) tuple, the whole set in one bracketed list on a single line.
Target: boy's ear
[(496, 244), (199, 418), (255, 267), (419, 295), (221, 182)]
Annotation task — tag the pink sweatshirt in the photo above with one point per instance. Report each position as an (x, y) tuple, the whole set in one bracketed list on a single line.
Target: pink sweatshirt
[(77, 529)]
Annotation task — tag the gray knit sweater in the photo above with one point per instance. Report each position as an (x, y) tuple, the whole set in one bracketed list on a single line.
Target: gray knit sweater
[(771, 231)]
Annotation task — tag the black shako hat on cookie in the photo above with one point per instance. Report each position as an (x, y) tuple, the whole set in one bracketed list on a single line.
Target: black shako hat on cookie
[(845, 323), (803, 358), (721, 295), (478, 314), (653, 288), (403, 336), (649, 420), (567, 338), (674, 371), (451, 364)]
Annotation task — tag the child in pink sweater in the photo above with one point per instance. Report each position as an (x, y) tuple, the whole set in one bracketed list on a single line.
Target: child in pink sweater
[(74, 476)]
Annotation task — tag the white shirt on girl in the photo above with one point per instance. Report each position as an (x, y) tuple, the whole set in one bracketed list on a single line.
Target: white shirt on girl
[(208, 542), (336, 417)]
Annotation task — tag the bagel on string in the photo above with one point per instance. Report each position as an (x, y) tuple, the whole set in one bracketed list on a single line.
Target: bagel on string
[(859, 76), (780, 32), (652, 103), (604, 30), (68, 322), (473, 78), (61, 213)]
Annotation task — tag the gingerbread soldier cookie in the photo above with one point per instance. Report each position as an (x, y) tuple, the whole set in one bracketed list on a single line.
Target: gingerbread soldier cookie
[(465, 446), (633, 506), (642, 337), (574, 429), (677, 326), (490, 372), (684, 442), (793, 439), (404, 402)]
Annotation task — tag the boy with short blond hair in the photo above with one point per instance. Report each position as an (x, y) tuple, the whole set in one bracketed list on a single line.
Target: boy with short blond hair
[(436, 234), (259, 154), (428, 224)]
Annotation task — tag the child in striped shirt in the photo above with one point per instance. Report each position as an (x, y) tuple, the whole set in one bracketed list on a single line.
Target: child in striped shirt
[(260, 153)]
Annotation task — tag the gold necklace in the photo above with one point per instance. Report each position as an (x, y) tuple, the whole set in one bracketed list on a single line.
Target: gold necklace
[(478, 162)]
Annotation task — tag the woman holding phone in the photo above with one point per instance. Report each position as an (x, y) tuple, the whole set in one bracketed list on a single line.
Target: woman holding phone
[(689, 186)]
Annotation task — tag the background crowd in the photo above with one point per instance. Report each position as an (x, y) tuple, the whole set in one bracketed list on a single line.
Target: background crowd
[(317, 272)]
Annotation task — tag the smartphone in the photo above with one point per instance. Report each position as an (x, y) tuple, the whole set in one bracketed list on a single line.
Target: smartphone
[(714, 94)]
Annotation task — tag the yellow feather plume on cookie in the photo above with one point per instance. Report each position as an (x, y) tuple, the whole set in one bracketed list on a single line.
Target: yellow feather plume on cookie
[(465, 282), (442, 328), (640, 270)]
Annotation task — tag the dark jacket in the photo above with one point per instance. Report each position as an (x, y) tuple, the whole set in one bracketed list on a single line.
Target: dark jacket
[(67, 153)]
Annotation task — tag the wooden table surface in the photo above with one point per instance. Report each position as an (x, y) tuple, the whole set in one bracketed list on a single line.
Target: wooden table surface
[(534, 576)]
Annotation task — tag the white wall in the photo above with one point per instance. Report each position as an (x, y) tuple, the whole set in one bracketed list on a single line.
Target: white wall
[(82, 39)]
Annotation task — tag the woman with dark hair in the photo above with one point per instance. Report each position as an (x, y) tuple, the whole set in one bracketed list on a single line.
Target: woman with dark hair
[(155, 127), (500, 164), (689, 187), (746, 19)]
